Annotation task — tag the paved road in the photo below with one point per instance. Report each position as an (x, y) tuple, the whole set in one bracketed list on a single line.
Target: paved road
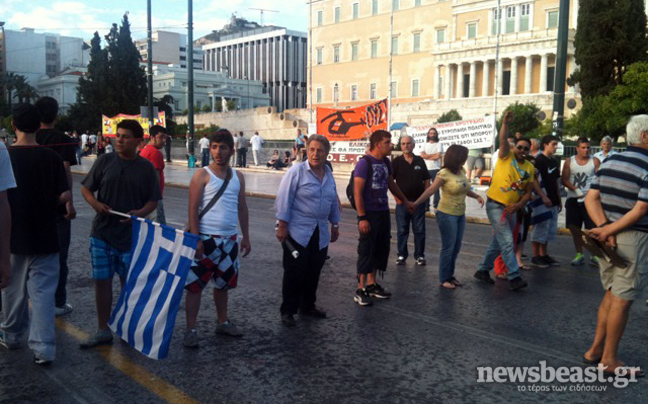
[(422, 346)]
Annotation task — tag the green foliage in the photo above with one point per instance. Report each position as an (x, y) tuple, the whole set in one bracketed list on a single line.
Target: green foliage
[(206, 131), (450, 116), (611, 36), (206, 108), (115, 82), (185, 111), (525, 118), (231, 105)]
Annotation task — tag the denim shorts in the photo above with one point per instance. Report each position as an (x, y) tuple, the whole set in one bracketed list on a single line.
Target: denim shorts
[(107, 260)]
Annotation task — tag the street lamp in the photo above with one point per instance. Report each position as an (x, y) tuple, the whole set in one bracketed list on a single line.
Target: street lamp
[(247, 101), (310, 58)]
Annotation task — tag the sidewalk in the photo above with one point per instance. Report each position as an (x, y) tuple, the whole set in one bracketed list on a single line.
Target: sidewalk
[(264, 183)]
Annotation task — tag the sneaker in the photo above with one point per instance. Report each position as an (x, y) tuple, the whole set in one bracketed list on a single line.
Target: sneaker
[(400, 261), (578, 260), (484, 276), (63, 310), (517, 283), (550, 261), (420, 261), (362, 298), (288, 320), (101, 337), (313, 312), (41, 362), (377, 291), (594, 261), (539, 262), (228, 328), (191, 339)]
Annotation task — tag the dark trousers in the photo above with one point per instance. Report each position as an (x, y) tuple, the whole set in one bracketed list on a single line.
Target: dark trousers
[(301, 275), (373, 248), (205, 158), (242, 154), (64, 231)]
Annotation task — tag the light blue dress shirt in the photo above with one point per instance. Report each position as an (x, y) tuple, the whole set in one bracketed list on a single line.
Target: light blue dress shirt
[(305, 202)]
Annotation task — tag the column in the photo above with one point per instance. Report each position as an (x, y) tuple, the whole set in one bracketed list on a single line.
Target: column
[(448, 83), (500, 74), (572, 66), (473, 73), (528, 74), (543, 73), (460, 81), (485, 78), (514, 76), (437, 78)]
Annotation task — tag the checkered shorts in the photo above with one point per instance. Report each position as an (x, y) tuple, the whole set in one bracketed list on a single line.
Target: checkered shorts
[(220, 264), (107, 260)]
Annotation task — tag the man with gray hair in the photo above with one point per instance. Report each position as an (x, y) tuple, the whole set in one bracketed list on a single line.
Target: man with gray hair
[(535, 147), (617, 203), (412, 177), (606, 149)]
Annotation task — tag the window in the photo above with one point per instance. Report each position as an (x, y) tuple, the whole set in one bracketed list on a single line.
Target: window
[(417, 3), (336, 54), (374, 7), (416, 42), (497, 20), (552, 19), (337, 14), (354, 93), (356, 10), (395, 5), (525, 12), (440, 35), (394, 89), (336, 95), (441, 85), (372, 91), (510, 19), (471, 30), (318, 95), (415, 88), (320, 18), (374, 48), (319, 56), (354, 51), (394, 45)]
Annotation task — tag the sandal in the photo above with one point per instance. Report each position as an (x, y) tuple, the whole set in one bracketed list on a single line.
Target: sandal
[(525, 267), (624, 371), (502, 276), (455, 282), (591, 361), (448, 285)]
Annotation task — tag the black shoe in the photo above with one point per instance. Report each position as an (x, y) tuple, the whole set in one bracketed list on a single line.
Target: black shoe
[(484, 276), (539, 262), (550, 261), (377, 291), (288, 320), (517, 283), (362, 298), (313, 312)]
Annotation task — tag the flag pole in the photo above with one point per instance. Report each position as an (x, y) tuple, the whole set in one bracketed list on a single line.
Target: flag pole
[(141, 219)]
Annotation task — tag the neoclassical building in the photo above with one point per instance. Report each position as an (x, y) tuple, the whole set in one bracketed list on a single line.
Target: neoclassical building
[(445, 54)]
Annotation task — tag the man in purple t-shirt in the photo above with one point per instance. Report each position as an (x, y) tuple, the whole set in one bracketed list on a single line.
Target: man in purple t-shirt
[(373, 177)]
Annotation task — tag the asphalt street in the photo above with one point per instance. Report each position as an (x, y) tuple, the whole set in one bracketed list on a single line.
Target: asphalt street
[(422, 346)]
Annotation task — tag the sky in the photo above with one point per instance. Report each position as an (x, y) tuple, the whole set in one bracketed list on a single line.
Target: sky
[(83, 18)]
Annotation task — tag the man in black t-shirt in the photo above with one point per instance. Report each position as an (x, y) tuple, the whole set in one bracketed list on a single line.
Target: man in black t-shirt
[(123, 182), (41, 187), (545, 225), (412, 177), (66, 148)]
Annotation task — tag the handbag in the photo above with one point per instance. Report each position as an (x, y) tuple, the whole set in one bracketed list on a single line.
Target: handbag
[(215, 199)]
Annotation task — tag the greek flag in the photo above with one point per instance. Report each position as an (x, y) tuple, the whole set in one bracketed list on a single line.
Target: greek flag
[(149, 301)]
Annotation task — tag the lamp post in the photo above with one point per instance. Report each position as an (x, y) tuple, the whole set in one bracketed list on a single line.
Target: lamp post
[(310, 57), (247, 101)]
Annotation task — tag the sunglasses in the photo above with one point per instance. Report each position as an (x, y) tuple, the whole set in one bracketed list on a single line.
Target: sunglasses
[(523, 148)]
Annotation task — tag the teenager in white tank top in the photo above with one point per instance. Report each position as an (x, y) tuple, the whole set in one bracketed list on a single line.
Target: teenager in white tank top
[(221, 219)]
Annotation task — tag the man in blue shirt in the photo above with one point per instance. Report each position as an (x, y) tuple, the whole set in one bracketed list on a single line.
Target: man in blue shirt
[(306, 203)]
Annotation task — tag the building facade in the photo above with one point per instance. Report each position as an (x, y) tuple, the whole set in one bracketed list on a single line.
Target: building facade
[(170, 48), (445, 54), (273, 56)]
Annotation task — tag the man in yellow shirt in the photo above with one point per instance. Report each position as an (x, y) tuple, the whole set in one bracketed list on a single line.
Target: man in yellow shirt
[(509, 191)]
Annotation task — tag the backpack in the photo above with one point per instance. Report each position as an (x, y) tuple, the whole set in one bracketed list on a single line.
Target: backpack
[(351, 185)]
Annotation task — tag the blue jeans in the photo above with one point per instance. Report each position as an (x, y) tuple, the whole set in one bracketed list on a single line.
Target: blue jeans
[(205, 158), (437, 194), (451, 228), (403, 219), (502, 240)]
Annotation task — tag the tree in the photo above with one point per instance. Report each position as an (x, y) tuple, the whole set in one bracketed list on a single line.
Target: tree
[(166, 104), (115, 82), (525, 118), (231, 105), (450, 116), (611, 36), (24, 91)]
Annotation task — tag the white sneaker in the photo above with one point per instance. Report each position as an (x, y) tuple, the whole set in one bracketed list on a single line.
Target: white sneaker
[(63, 310)]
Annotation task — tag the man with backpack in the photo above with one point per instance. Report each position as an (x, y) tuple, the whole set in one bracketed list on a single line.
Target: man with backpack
[(372, 177)]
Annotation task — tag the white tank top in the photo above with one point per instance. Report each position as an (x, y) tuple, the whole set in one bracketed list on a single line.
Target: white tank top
[(580, 176), (222, 218)]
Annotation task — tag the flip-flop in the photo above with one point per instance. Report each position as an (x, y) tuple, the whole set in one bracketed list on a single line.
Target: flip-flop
[(451, 287), (455, 282), (525, 267), (629, 372), (591, 362)]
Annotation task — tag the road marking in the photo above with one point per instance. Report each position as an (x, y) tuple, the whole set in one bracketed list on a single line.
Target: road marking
[(158, 386)]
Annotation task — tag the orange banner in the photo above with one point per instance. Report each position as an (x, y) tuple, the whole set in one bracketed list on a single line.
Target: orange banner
[(354, 123)]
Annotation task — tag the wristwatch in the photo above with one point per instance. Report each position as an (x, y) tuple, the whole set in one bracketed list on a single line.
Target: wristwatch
[(335, 225), (361, 218)]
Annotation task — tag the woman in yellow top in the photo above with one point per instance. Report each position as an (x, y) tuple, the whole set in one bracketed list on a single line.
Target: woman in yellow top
[(451, 213)]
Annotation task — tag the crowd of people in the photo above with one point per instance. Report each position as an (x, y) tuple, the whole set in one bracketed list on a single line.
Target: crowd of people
[(606, 194)]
